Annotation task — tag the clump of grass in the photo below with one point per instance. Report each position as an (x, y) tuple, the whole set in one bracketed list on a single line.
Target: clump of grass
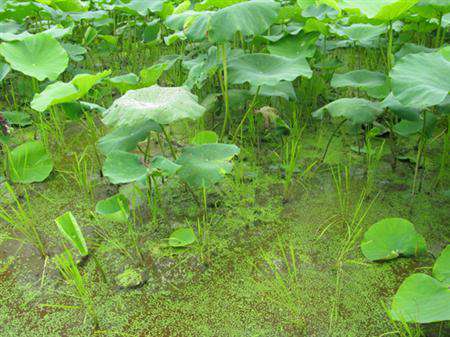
[(19, 216)]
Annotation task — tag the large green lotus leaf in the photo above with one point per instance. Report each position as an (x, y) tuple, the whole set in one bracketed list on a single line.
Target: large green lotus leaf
[(403, 112), (123, 167), (441, 268), (61, 92), (213, 4), (182, 237), (251, 18), (357, 110), (68, 226), (363, 33), (267, 69), (421, 299), (126, 138), (204, 165), (29, 163), (389, 238), (40, 56), (141, 7), (294, 46), (163, 105), (386, 10), (114, 208), (421, 80), (374, 83)]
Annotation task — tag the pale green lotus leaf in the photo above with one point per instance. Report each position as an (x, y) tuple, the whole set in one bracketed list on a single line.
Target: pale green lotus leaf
[(250, 18), (206, 164), (386, 10), (123, 167), (163, 105), (390, 238), (421, 299), (266, 69), (357, 110), (421, 80), (182, 237), (40, 56)]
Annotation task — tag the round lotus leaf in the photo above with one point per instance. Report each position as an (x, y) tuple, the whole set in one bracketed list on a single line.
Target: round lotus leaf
[(386, 10), (40, 56), (29, 163), (204, 165), (163, 105), (182, 237), (441, 268), (114, 208), (357, 110), (392, 237), (251, 18), (123, 167), (421, 80), (421, 299), (267, 69), (374, 83)]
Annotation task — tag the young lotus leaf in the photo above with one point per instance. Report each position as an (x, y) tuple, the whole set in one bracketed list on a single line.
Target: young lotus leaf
[(390, 238), (357, 110), (123, 167), (163, 105), (40, 56), (61, 92), (408, 128), (206, 164), (182, 237), (126, 138), (205, 137), (114, 208), (251, 18), (421, 80), (267, 69), (29, 163), (386, 10), (421, 299), (441, 268), (68, 226), (374, 83)]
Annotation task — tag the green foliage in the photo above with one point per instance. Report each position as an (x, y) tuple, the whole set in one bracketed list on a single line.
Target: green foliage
[(206, 164), (114, 208), (163, 105), (182, 237), (40, 56), (390, 238), (29, 163)]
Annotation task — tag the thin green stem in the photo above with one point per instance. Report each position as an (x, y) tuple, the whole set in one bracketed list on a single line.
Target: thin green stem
[(250, 109), (225, 90)]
